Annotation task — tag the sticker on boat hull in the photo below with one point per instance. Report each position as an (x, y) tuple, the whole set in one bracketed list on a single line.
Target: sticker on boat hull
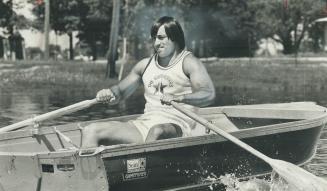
[(136, 169)]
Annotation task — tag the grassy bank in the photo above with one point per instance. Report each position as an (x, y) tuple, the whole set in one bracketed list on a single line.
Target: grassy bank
[(272, 74), (22, 75)]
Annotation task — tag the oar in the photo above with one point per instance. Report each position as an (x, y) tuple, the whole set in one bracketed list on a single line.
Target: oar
[(53, 114), (294, 175)]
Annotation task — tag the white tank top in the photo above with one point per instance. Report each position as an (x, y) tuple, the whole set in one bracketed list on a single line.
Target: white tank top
[(160, 80)]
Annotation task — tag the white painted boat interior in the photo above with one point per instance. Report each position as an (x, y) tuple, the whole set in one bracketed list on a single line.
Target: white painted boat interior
[(47, 139)]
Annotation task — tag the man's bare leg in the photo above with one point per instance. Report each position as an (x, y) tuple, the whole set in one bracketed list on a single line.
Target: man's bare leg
[(110, 133), (164, 131)]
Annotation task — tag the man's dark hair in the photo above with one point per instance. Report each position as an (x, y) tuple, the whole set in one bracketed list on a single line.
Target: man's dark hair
[(173, 30)]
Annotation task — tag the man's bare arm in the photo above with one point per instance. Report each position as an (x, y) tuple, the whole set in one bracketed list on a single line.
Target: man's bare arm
[(202, 85), (130, 83)]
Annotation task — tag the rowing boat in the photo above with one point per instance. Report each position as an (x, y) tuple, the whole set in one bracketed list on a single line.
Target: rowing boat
[(48, 158)]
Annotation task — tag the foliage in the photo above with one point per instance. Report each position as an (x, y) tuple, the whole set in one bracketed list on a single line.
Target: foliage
[(6, 13), (291, 23), (65, 15), (96, 25), (138, 16), (90, 18), (9, 19), (215, 27), (219, 25), (287, 23), (209, 29)]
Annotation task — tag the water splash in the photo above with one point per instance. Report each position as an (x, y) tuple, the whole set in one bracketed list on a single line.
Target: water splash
[(232, 183)]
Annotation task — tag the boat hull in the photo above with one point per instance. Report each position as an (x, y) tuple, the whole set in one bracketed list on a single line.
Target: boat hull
[(39, 159), (198, 164)]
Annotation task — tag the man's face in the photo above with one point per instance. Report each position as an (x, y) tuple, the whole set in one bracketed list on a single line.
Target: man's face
[(165, 47)]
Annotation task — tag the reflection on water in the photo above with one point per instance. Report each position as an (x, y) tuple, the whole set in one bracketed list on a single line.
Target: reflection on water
[(17, 106)]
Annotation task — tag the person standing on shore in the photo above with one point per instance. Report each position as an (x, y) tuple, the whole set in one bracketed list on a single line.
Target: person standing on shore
[(171, 74)]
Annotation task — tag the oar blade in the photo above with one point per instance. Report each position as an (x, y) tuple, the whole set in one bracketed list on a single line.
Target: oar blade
[(298, 177)]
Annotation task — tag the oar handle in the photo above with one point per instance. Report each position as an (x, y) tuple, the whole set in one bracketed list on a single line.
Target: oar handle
[(53, 114), (219, 131)]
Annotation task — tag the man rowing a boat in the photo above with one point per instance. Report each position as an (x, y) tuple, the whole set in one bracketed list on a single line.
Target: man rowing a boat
[(171, 74)]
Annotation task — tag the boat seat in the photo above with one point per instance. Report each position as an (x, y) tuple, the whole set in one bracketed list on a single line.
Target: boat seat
[(218, 119), (222, 121)]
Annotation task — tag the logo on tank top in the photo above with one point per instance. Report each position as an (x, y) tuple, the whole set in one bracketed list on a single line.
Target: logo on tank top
[(159, 84)]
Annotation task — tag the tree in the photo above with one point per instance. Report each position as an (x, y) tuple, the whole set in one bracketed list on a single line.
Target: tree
[(285, 21), (290, 22), (111, 58), (8, 17), (6, 14), (96, 26), (11, 21), (218, 30), (210, 30), (66, 16), (137, 17)]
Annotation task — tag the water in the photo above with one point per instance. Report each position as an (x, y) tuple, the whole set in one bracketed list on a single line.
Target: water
[(17, 106), (254, 184)]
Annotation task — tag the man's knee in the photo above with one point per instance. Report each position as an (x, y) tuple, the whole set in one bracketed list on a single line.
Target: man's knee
[(156, 131), (164, 131), (100, 127), (89, 136), (95, 131), (111, 133), (90, 130)]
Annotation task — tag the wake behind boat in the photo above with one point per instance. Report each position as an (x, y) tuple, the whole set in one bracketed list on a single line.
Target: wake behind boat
[(48, 158)]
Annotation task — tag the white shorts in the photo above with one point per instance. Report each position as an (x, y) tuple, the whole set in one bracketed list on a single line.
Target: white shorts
[(149, 119)]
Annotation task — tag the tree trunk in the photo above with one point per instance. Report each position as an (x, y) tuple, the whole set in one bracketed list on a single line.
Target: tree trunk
[(71, 50), (112, 52), (94, 51), (46, 29), (94, 47), (1, 47), (288, 46)]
